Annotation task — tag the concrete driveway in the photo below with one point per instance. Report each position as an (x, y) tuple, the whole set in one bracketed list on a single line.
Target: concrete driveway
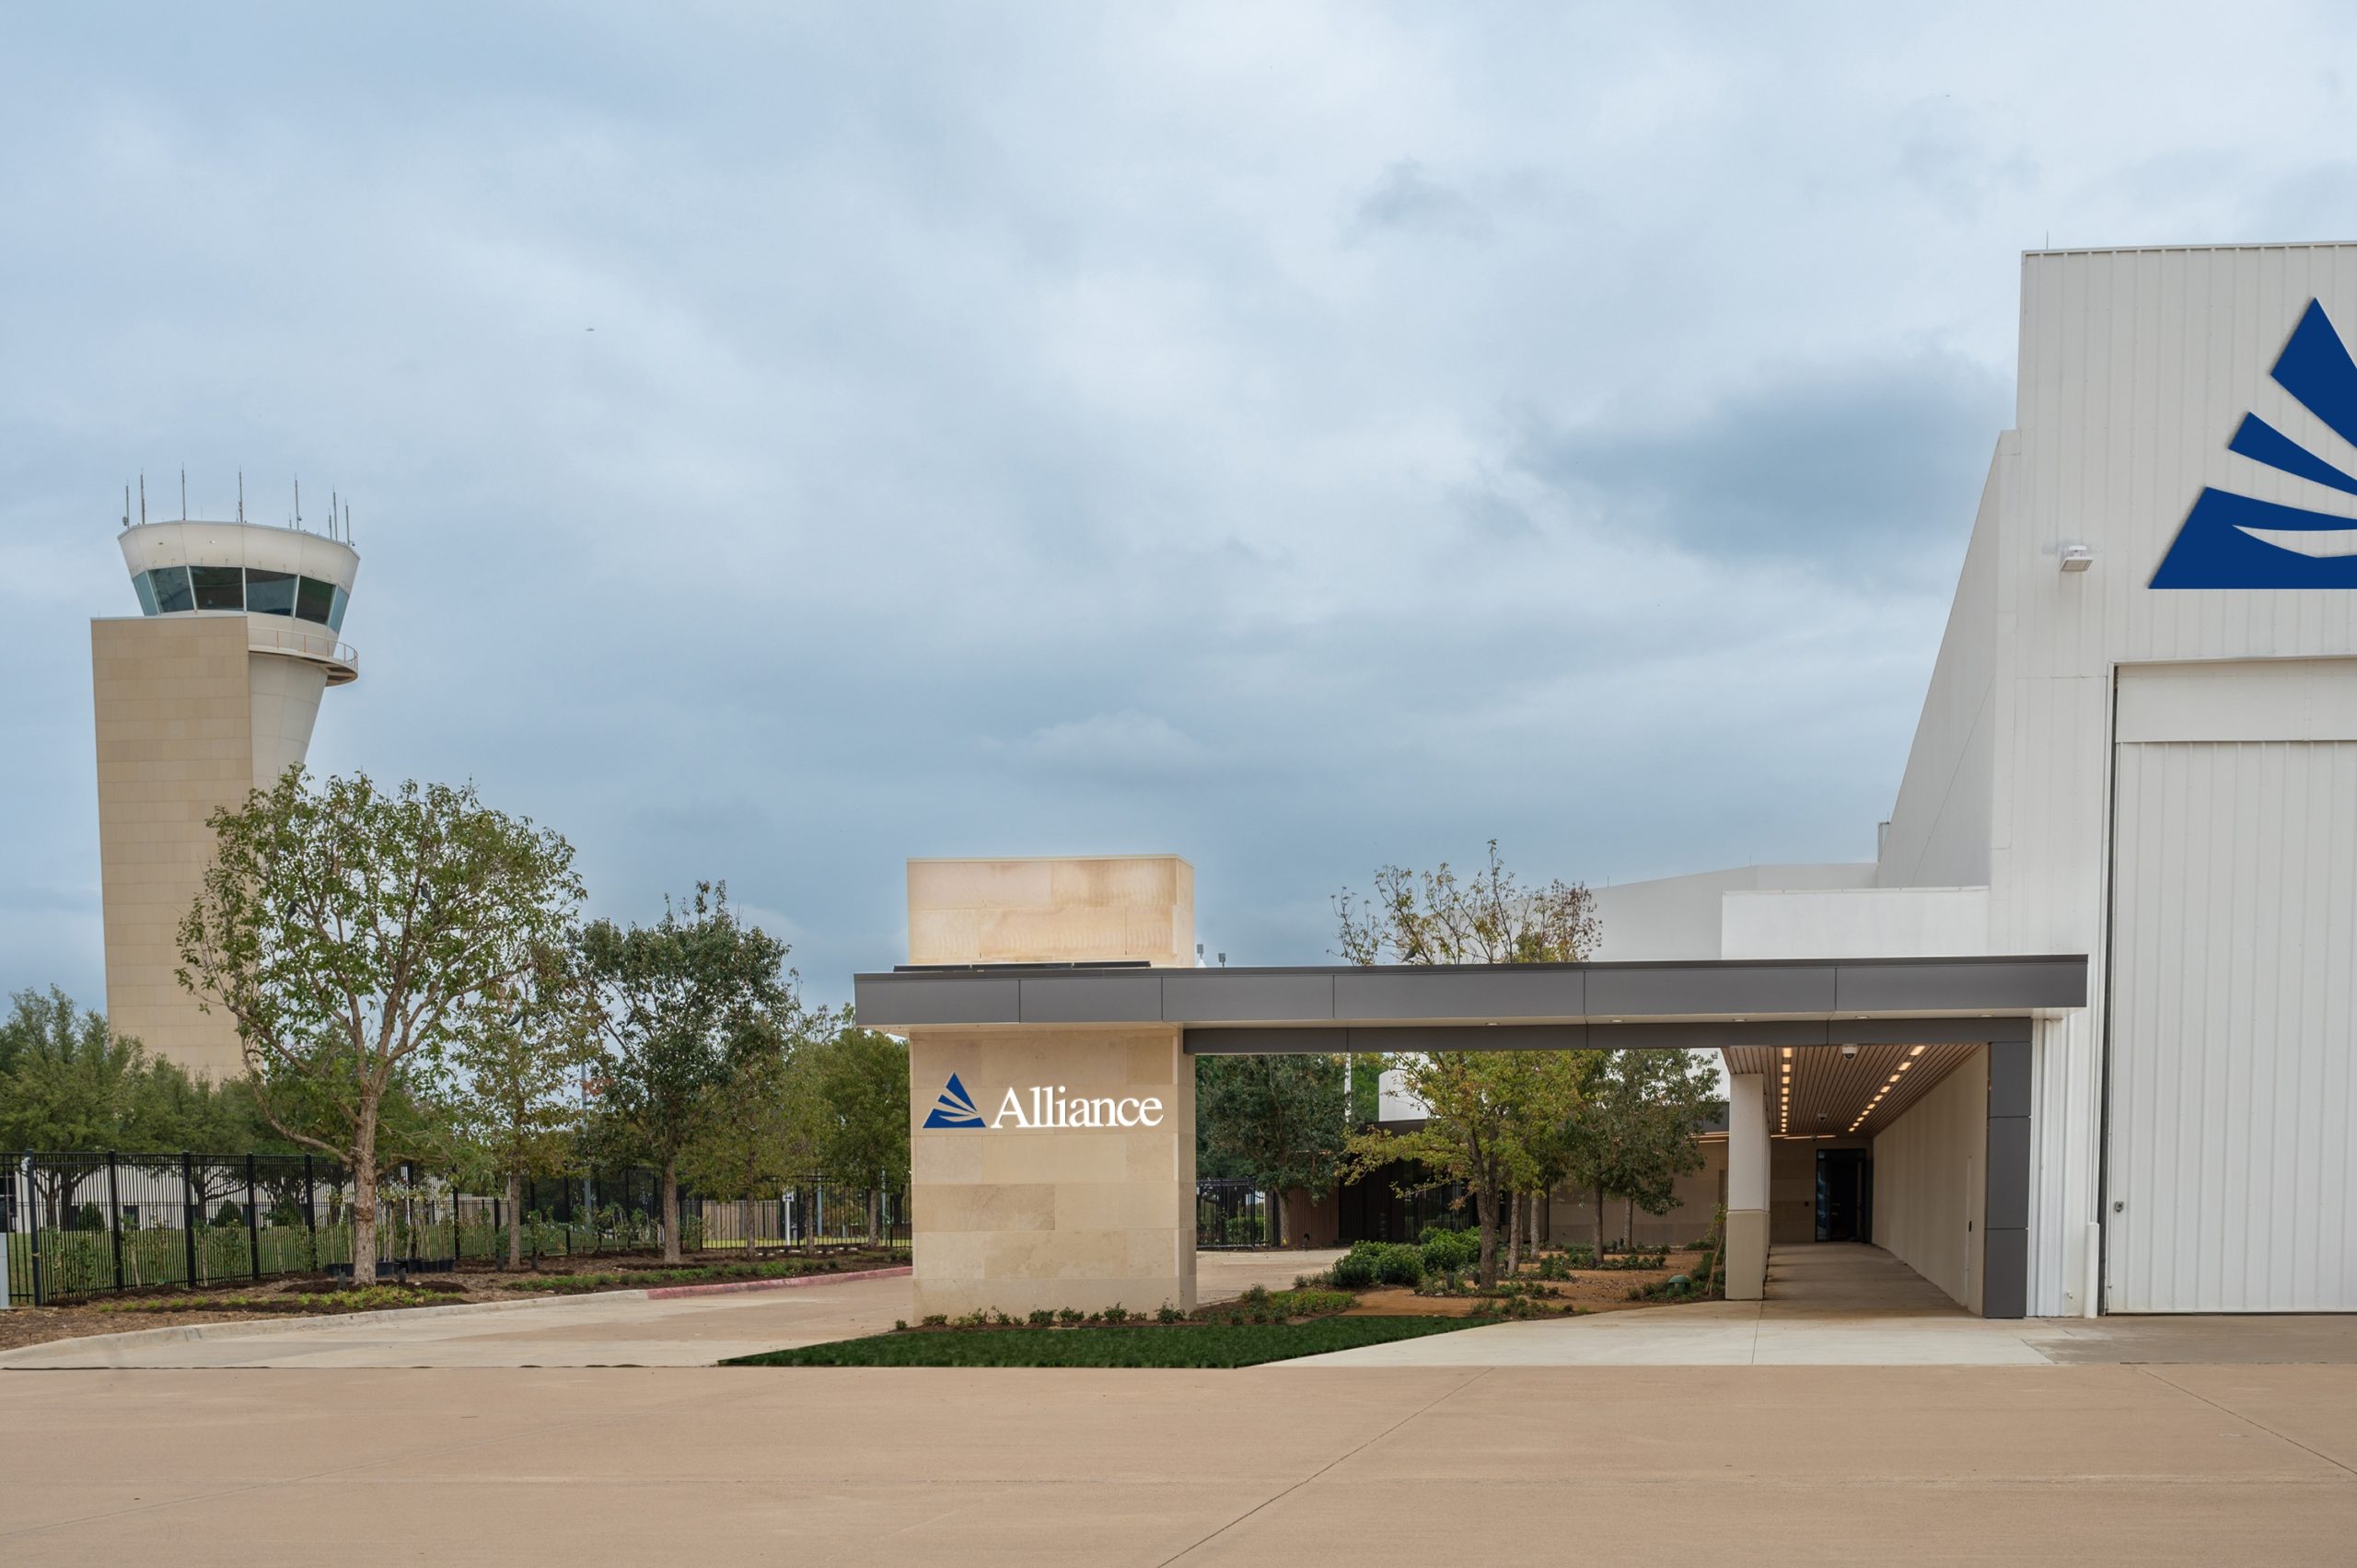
[(582, 1330), (1373, 1467)]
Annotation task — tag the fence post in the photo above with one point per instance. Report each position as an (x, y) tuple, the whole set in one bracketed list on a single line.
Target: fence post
[(253, 1219), (114, 1214), (33, 1207), (188, 1212)]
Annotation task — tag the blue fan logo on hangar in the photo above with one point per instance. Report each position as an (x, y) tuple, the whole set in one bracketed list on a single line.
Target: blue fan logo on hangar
[(2240, 541)]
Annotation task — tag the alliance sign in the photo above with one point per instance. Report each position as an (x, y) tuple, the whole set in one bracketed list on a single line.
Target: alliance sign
[(1048, 1107)]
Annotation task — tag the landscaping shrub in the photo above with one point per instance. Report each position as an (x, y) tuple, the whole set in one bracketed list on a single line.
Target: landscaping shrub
[(1443, 1248)]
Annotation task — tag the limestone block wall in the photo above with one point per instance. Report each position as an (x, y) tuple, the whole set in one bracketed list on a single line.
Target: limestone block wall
[(1070, 909), (175, 743), (1011, 1218)]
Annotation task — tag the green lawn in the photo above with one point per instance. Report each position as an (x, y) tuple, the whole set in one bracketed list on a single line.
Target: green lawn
[(1208, 1344)]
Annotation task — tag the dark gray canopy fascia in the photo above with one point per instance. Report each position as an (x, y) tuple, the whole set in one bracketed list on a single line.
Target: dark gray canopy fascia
[(1713, 1002)]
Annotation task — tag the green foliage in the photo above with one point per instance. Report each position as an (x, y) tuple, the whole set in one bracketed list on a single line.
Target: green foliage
[(517, 1072), (756, 1129), (1444, 1248), (68, 1081), (861, 1077), (356, 936), (1495, 1119), (1638, 1126), (690, 1273), (1276, 1121), (1260, 1305), (687, 1002), (1203, 1345), (1371, 1263)]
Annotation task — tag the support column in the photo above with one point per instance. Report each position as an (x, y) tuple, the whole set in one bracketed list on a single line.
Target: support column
[(2004, 1288), (1052, 1163), (1746, 1240)]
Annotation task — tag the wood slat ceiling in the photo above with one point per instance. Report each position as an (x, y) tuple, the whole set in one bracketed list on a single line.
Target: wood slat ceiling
[(1825, 1084)]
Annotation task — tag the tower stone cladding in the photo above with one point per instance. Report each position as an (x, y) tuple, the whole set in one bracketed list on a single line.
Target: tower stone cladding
[(208, 695)]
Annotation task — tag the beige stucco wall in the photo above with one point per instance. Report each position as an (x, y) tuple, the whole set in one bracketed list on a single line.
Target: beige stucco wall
[(173, 705), (1572, 1215), (1082, 909), (1012, 1219), (1930, 1177)]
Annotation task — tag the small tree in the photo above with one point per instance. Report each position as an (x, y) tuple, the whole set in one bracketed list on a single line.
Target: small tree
[(756, 1130), (683, 1001), (517, 1110), (1480, 1106), (68, 1081), (1281, 1122), (861, 1078), (1491, 1114), (355, 936), (1637, 1129)]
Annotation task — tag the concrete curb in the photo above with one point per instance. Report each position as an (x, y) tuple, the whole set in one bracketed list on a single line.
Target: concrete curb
[(741, 1287), (32, 1356)]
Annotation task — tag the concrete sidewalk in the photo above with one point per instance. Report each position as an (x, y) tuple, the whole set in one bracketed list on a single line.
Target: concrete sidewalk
[(583, 1330), (1855, 1306)]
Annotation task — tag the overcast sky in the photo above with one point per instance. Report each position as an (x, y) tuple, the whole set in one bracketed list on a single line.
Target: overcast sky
[(1298, 437)]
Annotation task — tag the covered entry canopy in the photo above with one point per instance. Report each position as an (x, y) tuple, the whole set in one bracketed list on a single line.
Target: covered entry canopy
[(1067, 1205), (1708, 1003)]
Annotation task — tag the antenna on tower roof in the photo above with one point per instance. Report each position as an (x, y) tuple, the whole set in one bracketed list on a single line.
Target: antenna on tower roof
[(242, 495), (143, 500), (298, 500), (126, 506), (347, 522), (183, 496)]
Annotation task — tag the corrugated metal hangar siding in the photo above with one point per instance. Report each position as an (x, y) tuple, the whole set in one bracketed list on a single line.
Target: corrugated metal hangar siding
[(2234, 994)]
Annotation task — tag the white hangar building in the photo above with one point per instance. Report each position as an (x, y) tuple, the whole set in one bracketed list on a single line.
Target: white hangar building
[(2140, 745)]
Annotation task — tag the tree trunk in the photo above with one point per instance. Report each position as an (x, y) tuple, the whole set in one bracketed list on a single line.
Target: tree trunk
[(1632, 1225), (364, 1199), (1599, 1221), (515, 1219), (744, 1224), (875, 1213), (1514, 1234), (1485, 1207), (670, 1211)]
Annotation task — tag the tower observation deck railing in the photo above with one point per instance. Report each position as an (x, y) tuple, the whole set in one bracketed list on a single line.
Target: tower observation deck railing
[(263, 637)]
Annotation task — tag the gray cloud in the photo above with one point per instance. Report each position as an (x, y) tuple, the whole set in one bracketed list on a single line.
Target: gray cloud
[(1858, 472), (1408, 198), (1009, 432)]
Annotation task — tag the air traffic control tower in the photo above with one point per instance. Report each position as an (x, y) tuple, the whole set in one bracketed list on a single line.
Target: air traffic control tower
[(208, 693)]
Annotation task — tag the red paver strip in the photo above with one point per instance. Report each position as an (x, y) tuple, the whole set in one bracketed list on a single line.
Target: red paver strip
[(733, 1287)]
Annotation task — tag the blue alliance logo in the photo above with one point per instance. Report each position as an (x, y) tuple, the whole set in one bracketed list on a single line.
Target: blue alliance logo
[(955, 1107), (2239, 541)]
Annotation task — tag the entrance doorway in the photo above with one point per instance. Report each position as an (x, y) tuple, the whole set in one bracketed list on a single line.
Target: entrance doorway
[(1845, 1195)]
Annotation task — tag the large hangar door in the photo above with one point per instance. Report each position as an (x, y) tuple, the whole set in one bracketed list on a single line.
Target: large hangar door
[(2233, 991)]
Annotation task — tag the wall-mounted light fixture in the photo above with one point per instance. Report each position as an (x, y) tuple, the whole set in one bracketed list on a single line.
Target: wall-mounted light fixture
[(2077, 557)]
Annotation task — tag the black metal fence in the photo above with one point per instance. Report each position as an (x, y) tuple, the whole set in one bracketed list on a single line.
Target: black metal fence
[(80, 1224), (1235, 1212)]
